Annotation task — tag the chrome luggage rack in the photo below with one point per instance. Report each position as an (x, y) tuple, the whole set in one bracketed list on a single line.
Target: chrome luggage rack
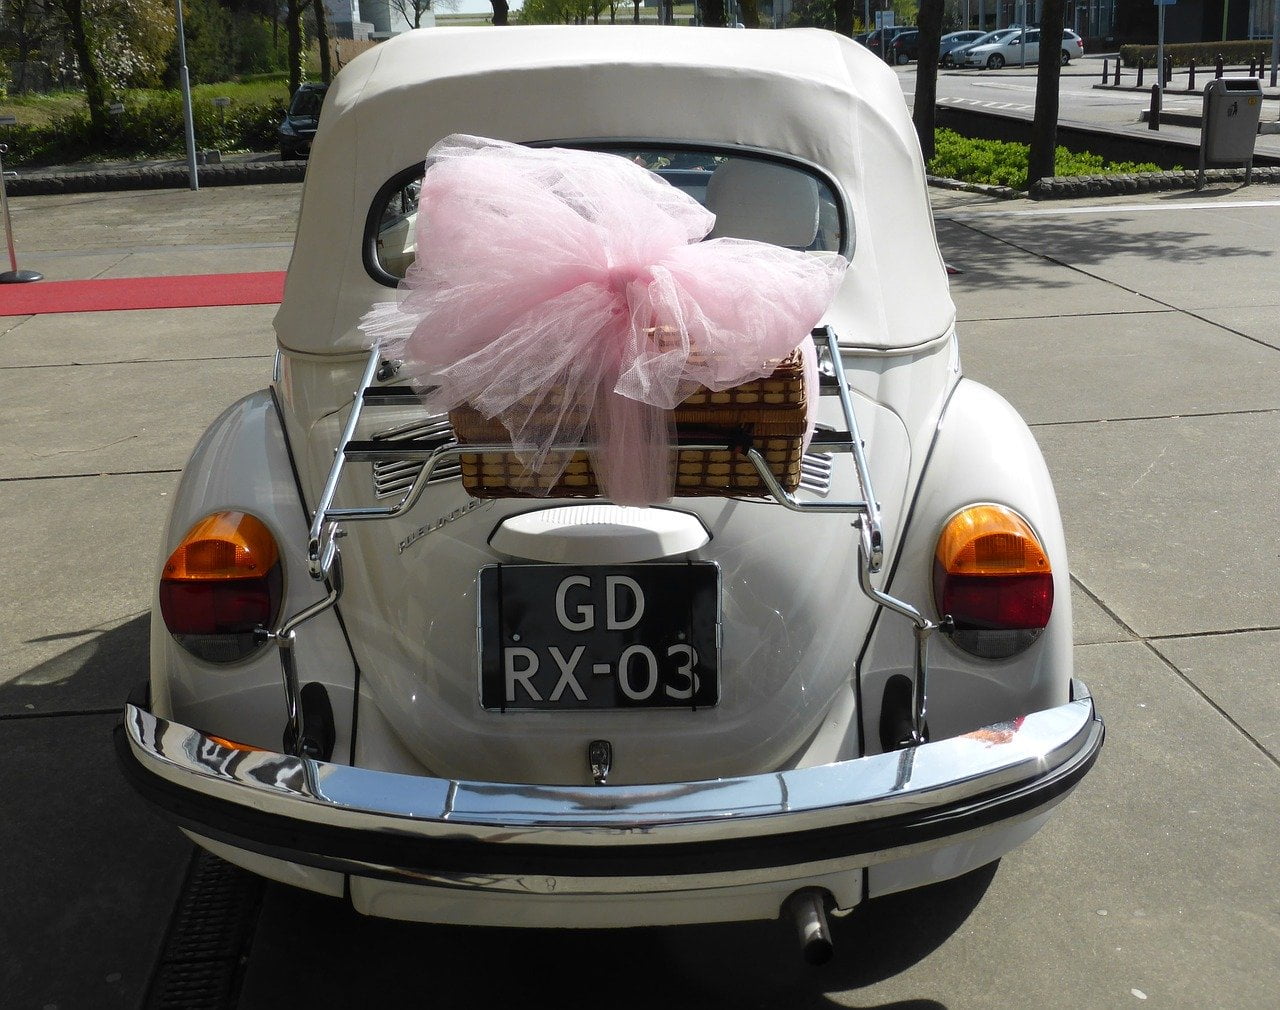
[(438, 457)]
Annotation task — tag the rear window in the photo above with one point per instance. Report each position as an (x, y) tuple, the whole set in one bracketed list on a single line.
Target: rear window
[(753, 196), (307, 102)]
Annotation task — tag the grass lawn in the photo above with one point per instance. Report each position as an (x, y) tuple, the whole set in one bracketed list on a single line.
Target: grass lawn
[(41, 110)]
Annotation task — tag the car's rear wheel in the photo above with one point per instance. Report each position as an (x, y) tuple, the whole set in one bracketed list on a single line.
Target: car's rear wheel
[(995, 61), (902, 59), (1066, 58)]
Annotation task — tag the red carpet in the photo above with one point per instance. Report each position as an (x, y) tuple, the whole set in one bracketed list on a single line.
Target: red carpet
[(190, 291)]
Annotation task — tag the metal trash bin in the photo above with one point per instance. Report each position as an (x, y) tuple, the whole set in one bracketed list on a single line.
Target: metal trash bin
[(1229, 124)]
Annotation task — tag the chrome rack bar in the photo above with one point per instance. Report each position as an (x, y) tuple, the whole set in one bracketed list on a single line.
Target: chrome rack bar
[(322, 537), (871, 520)]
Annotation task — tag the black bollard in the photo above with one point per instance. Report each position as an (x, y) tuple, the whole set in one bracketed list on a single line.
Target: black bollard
[(1116, 82), (1106, 71), (1191, 76), (1141, 61), (1168, 69), (1153, 117), (1217, 68), (1252, 66)]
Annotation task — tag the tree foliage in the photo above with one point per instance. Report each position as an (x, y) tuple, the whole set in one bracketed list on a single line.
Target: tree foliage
[(562, 12), (223, 43), (815, 14), (130, 40)]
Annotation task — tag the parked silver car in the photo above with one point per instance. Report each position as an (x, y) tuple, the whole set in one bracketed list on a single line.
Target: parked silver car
[(954, 43), (1021, 48)]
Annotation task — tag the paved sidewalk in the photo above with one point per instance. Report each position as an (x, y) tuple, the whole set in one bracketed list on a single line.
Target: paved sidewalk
[(1140, 339)]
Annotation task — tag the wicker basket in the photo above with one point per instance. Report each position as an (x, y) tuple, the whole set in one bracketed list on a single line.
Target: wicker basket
[(768, 414)]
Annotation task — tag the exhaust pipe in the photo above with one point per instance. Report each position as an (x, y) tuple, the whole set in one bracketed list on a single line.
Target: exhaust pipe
[(807, 909)]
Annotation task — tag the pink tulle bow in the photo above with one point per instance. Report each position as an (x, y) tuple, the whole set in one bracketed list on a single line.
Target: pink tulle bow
[(569, 294)]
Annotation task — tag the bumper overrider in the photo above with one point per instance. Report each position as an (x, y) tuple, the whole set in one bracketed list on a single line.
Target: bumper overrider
[(673, 837)]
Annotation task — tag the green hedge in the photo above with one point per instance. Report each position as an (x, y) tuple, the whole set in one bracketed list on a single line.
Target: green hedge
[(1002, 163), (1204, 53), (153, 128)]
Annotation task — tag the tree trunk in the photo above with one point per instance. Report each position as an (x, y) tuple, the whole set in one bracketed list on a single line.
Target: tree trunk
[(1044, 127), (924, 107), (293, 26), (95, 91), (713, 13), (844, 18), (635, 17), (750, 13), (322, 40), (500, 11)]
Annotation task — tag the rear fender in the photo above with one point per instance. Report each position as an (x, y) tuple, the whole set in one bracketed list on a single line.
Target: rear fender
[(983, 452), (242, 462)]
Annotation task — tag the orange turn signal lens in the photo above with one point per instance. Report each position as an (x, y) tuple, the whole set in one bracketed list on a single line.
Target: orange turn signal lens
[(990, 540), (225, 545)]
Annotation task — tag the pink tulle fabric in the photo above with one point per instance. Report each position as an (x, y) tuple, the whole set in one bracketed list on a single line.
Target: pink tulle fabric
[(569, 294)]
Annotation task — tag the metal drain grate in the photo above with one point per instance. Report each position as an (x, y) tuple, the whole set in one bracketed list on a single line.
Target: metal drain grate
[(208, 937)]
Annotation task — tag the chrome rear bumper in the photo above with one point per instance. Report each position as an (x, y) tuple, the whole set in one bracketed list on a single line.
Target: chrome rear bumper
[(612, 839)]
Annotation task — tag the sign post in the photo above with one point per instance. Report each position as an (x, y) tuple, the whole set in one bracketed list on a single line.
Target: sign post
[(1275, 39), (1162, 4), (189, 120), (13, 275)]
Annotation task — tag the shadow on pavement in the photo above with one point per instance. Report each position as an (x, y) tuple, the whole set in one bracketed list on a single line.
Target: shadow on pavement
[(992, 252), (94, 675), (317, 952), (91, 874)]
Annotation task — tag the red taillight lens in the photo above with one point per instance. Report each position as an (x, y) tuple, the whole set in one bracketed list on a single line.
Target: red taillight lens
[(223, 581), (994, 580)]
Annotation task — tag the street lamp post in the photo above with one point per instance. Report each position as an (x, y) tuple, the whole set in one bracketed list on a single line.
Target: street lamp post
[(186, 102)]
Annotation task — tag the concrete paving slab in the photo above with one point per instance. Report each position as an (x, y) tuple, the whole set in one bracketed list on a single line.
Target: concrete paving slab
[(63, 267), (1092, 624), (144, 335), (90, 669), (214, 215), (89, 877), (79, 562), (1197, 267), (1240, 674), (1002, 281), (118, 418), (8, 323), (1171, 522), (1261, 322), (1118, 366), (200, 261)]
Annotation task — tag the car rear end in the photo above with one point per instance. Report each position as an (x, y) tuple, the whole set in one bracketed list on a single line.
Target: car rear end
[(487, 708)]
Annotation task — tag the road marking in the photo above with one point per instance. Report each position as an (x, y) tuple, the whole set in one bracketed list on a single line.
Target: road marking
[(985, 105), (1123, 208)]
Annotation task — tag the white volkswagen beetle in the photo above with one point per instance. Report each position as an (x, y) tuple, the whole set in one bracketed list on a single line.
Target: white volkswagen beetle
[(376, 676)]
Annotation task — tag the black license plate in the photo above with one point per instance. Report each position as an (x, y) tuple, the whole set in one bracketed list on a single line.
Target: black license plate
[(620, 636)]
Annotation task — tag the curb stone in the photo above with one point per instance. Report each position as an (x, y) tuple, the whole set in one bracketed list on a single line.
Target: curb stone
[(1001, 192), (257, 173), (1066, 187), (155, 177)]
